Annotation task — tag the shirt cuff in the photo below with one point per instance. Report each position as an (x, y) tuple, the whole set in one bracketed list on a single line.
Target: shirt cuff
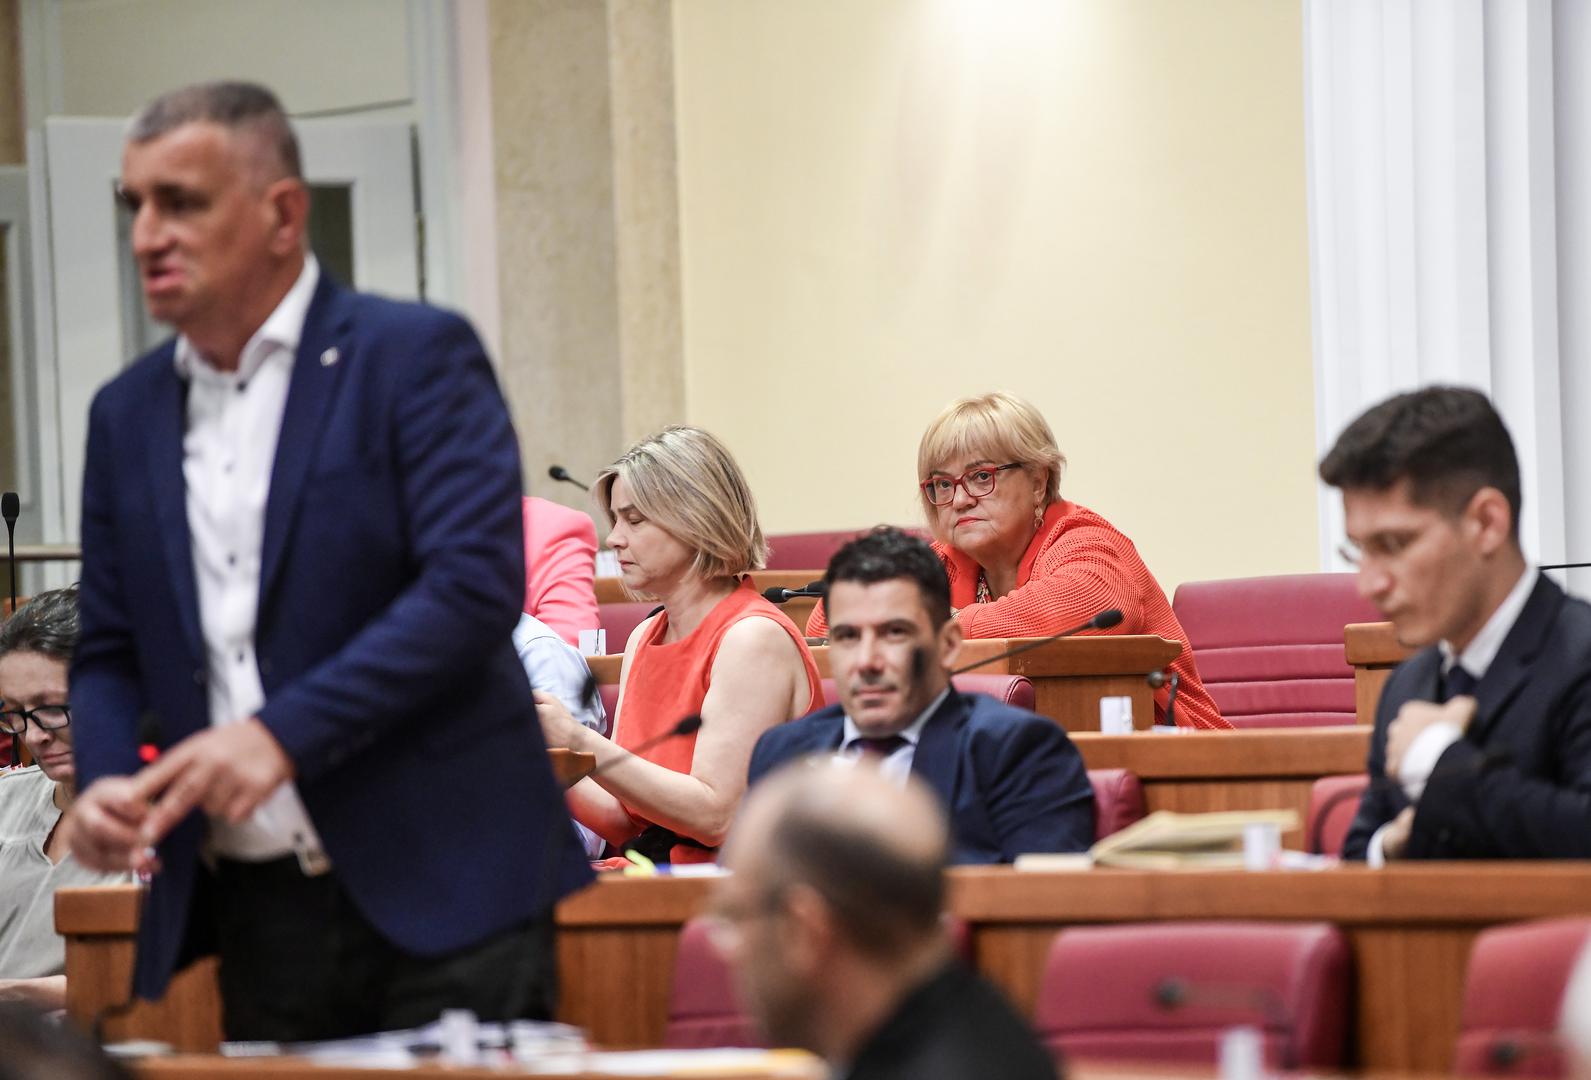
[(1422, 756), (1375, 856)]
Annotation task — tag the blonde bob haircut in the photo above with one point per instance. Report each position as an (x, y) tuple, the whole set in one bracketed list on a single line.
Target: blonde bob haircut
[(685, 481), (996, 427)]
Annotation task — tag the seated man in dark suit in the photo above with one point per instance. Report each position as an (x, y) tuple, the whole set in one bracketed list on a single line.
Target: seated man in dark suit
[(1011, 780), (832, 925), (1482, 743)]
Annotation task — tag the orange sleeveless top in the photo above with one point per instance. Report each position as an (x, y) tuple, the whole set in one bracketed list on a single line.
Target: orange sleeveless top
[(668, 682)]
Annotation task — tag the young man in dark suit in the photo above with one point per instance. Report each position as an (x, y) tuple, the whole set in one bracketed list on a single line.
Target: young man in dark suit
[(303, 559), (832, 923), (1011, 781), (1482, 743)]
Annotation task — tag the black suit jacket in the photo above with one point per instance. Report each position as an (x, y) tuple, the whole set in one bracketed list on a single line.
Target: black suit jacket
[(953, 1027), (1011, 780), (1518, 784)]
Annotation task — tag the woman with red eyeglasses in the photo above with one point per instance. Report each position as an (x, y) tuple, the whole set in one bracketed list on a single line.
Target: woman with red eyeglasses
[(1024, 562)]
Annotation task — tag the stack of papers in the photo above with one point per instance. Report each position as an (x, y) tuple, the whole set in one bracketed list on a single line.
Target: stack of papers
[(1170, 841)]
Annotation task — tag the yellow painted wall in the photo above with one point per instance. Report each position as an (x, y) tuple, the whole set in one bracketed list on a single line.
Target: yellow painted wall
[(1097, 204)]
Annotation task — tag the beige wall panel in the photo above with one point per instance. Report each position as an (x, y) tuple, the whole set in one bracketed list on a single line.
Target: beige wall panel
[(319, 55), (554, 160), (1098, 205)]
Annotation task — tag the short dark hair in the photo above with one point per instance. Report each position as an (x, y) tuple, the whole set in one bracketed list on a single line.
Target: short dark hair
[(48, 624), (1448, 442), (888, 553), (237, 106), (885, 901)]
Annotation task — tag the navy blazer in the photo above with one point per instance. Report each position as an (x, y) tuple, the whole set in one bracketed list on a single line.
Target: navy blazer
[(1011, 780), (1518, 784), (391, 580)]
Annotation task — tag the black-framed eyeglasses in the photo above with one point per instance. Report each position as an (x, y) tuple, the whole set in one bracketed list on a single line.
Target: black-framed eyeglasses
[(48, 717), (941, 490)]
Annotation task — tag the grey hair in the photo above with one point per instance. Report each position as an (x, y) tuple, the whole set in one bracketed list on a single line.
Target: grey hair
[(237, 106), (48, 624)]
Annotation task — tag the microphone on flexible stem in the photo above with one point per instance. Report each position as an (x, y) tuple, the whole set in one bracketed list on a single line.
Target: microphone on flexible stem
[(561, 474), (811, 588), (1175, 992), (10, 507), (1156, 680), (1103, 621), (688, 725)]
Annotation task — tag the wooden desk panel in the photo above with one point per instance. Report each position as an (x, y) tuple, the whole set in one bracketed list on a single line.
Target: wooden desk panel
[(1410, 929), (1373, 650), (1069, 676), (206, 1067), (1200, 771)]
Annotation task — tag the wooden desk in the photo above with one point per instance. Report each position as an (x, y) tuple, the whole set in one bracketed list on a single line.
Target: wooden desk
[(49, 553), (1200, 771), (570, 766), (1069, 676), (1373, 650), (1410, 929)]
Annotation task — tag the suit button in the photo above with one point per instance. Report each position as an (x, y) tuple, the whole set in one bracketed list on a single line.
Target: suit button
[(265, 667), (198, 676)]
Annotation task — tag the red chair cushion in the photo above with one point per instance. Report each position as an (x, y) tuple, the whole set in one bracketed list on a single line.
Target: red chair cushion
[(1270, 649), (703, 1010), (620, 618), (1012, 689), (1333, 802), (1103, 988), (813, 550), (1513, 992), (1118, 800)]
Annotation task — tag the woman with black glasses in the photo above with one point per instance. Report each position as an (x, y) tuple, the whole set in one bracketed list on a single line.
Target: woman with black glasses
[(36, 647)]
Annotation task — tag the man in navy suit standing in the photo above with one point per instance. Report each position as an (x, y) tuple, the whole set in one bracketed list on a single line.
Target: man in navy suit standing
[(1011, 781), (302, 562)]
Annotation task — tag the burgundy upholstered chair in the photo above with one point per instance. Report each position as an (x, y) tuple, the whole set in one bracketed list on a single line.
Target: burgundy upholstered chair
[(1513, 991), (620, 618), (702, 1009), (1270, 649), (1118, 800), (1165, 992), (1333, 802), (1012, 689), (813, 550)]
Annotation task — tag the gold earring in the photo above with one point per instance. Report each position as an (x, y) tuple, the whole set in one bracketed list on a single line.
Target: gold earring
[(1038, 517)]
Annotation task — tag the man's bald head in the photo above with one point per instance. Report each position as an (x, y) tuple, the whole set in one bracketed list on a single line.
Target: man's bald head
[(875, 851)]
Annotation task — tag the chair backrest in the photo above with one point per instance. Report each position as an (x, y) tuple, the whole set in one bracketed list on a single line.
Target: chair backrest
[(1270, 649), (813, 550), (1118, 800), (1513, 992), (702, 1009), (1333, 802), (1165, 992), (620, 618), (1012, 689)]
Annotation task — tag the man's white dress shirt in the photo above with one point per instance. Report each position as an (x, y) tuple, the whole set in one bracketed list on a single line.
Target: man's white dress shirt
[(233, 422), (898, 764), (1419, 761)]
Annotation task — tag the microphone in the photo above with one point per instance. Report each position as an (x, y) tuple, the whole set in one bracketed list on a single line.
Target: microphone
[(811, 588), (1156, 680), (688, 725), (561, 474), (10, 507), (1103, 621), (1175, 992)]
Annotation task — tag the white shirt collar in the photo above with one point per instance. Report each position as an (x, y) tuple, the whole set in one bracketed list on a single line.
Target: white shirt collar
[(282, 329), (911, 734), (1481, 651)]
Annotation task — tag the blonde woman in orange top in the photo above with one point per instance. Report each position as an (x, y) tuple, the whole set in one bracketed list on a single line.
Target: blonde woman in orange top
[(1024, 562), (685, 530)]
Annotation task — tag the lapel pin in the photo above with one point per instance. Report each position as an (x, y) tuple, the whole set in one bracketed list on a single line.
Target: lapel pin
[(330, 357)]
